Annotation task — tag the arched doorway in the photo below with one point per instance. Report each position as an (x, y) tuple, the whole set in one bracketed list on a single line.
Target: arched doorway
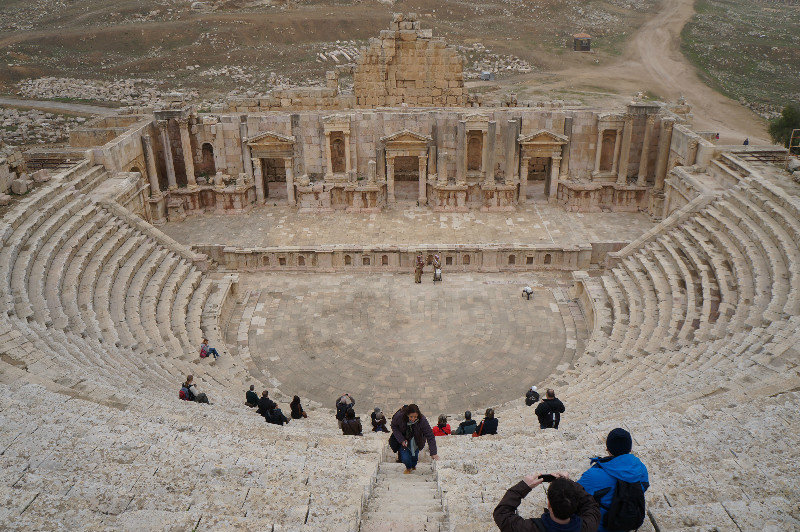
[(207, 167)]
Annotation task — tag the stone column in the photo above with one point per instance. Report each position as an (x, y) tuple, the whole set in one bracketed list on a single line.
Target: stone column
[(664, 141), (287, 163), (511, 149), (491, 136), (484, 154), (441, 167), (380, 163), (599, 151), (347, 162), (523, 180), (328, 156), (171, 182), (641, 179), (564, 173), (152, 171), (432, 160), (258, 176), (247, 166), (423, 180), (186, 147), (555, 167), (390, 180), (371, 172), (627, 133), (461, 152)]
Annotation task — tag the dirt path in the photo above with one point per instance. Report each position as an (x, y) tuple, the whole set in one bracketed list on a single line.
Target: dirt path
[(58, 107), (652, 60)]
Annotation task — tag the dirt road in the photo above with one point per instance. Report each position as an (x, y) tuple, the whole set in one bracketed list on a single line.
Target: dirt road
[(58, 107)]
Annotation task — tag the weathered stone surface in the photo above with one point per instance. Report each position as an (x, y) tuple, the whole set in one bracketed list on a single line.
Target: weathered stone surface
[(20, 186)]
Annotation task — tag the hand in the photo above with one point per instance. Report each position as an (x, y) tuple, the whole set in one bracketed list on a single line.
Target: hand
[(532, 480), (434, 457), (561, 474), (404, 444)]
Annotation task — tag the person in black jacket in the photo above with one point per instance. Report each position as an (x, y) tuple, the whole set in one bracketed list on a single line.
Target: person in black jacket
[(468, 426), (378, 421), (549, 411), (351, 425), (296, 409), (488, 425), (265, 404), (251, 397), (569, 507), (532, 397)]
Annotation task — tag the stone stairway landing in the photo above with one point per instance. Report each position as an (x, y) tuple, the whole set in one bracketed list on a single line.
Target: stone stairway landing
[(401, 502)]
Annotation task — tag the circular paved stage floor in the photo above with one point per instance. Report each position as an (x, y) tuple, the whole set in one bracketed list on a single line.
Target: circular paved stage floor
[(467, 343)]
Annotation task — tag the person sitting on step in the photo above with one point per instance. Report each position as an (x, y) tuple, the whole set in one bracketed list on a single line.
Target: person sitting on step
[(531, 397), (296, 409), (442, 428), (194, 394), (351, 425), (265, 404), (342, 404), (378, 421), (488, 425), (251, 397), (468, 426), (569, 507), (205, 350), (410, 430)]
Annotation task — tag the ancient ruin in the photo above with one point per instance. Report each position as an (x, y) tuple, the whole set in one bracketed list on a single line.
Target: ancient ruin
[(664, 269)]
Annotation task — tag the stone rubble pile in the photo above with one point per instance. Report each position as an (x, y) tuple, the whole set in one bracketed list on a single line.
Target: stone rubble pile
[(134, 91), (29, 126), (479, 59)]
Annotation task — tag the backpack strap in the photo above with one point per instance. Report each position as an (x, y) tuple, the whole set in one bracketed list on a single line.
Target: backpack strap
[(599, 494)]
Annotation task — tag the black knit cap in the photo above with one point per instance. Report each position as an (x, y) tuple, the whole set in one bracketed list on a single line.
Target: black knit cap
[(619, 442)]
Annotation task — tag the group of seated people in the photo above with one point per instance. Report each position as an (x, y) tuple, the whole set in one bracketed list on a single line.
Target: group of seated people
[(190, 392), (469, 426), (268, 408)]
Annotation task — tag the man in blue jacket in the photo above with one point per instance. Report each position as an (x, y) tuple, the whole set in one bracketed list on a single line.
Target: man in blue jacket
[(620, 465)]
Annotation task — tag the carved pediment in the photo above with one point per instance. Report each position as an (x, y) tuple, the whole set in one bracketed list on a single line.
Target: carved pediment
[(405, 137), (543, 138), (336, 123), (270, 138)]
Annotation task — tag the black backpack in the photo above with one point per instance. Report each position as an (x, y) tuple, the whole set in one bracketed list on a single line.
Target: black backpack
[(626, 511)]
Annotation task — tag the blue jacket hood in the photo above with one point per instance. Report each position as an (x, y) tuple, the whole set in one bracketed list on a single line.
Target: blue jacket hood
[(625, 467)]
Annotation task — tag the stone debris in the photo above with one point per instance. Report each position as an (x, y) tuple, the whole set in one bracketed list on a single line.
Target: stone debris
[(20, 127), (134, 91)]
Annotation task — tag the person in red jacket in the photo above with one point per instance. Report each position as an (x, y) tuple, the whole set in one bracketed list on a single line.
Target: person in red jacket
[(442, 428)]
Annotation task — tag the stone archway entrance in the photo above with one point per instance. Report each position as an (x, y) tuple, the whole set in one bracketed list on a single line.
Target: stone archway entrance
[(273, 159), (540, 155), (404, 149), (273, 171)]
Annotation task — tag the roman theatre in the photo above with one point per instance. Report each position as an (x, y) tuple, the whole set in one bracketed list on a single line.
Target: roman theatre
[(284, 228)]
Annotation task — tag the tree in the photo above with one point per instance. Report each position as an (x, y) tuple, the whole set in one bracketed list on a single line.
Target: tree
[(780, 129)]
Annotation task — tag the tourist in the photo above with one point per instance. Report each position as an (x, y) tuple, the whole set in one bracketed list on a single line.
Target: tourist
[(419, 265), (342, 404), (378, 421), (468, 426), (351, 425), (746, 142), (488, 425), (442, 428), (549, 411), (296, 408), (265, 404), (205, 350), (601, 479), (276, 417), (410, 430), (251, 397), (532, 397), (193, 393), (569, 507), (437, 268)]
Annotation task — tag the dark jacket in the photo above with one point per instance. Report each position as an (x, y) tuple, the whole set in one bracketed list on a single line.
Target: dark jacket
[(296, 410), (251, 398), (531, 398), (467, 427), (265, 404), (378, 424), (549, 412), (605, 472), (422, 431), (505, 515), (276, 417), (487, 426), (343, 407), (351, 427)]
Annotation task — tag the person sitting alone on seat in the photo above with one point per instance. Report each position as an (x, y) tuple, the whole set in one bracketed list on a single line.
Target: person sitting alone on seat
[(378, 421), (192, 393), (488, 425), (532, 397), (569, 507), (549, 411), (251, 397), (206, 350), (351, 425), (619, 469), (296, 408), (442, 428), (468, 426)]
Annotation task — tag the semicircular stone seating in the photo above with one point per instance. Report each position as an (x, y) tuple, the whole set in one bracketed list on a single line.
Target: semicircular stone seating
[(694, 340)]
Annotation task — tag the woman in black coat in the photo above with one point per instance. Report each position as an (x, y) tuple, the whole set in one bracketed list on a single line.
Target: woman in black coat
[(488, 425), (296, 408)]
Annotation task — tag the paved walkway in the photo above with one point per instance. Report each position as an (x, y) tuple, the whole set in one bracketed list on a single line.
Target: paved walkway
[(53, 106), (532, 224), (469, 342)]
